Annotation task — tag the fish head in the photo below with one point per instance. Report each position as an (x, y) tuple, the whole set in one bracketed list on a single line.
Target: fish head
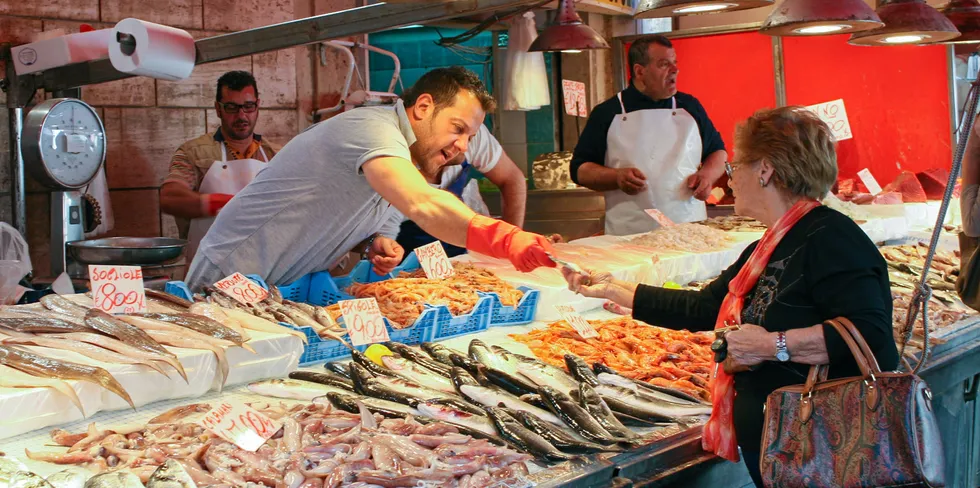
[(27, 479), (359, 376), (463, 362), (480, 352), (580, 369), (171, 474), (460, 377), (347, 403), (602, 368)]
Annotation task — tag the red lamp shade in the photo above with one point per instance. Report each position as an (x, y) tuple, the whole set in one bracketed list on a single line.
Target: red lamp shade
[(810, 17), (907, 22), (965, 15), (568, 33), (675, 8)]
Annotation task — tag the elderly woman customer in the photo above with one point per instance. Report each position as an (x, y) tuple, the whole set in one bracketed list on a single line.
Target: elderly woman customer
[(811, 265)]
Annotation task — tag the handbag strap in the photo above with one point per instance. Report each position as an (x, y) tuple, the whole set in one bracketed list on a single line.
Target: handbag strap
[(859, 339), (861, 352)]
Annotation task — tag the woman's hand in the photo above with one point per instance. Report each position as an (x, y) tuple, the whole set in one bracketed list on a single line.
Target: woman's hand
[(590, 284), (749, 346)]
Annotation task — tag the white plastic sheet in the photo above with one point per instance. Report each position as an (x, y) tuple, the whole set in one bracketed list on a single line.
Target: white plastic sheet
[(15, 263), (525, 74)]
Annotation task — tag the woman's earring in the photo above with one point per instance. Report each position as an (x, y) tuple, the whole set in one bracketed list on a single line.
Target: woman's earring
[(762, 182)]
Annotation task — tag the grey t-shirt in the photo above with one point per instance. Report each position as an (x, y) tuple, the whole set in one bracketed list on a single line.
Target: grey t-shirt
[(310, 205)]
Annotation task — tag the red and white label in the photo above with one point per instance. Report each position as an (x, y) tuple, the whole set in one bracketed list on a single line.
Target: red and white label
[(240, 424), (577, 321), (434, 261), (869, 181), (659, 216), (364, 322), (574, 92), (835, 116), (239, 287), (117, 289)]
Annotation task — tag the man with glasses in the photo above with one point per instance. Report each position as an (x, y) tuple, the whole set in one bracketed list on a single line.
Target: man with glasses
[(207, 171)]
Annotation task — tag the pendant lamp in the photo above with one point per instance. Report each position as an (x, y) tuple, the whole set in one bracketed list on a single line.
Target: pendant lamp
[(568, 33), (965, 15), (675, 8), (810, 17), (907, 22)]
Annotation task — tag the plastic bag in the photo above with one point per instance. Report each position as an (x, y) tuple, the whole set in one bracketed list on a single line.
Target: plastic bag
[(15, 263), (526, 78)]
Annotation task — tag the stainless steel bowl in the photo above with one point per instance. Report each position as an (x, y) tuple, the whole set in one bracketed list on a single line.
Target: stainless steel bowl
[(132, 251)]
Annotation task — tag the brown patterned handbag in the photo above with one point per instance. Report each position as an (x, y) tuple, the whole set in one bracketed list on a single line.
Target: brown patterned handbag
[(876, 430)]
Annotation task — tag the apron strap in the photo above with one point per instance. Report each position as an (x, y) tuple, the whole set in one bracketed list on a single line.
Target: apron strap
[(224, 153), (266, 158), (457, 186), (673, 103), (620, 97)]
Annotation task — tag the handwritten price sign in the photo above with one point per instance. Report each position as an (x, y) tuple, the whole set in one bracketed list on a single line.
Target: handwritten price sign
[(659, 216), (869, 181), (118, 289), (582, 326), (574, 92), (364, 322), (241, 425), (239, 287), (834, 115), (434, 261)]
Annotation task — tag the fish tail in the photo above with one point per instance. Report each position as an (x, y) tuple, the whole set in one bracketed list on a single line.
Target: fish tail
[(110, 383)]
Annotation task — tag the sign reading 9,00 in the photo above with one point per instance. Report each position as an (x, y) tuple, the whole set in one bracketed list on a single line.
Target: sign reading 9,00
[(364, 322)]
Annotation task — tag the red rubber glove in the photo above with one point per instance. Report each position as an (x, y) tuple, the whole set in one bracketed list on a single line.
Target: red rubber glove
[(213, 202), (525, 250)]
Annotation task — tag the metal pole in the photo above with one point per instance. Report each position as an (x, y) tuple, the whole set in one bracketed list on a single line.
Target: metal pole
[(619, 65), (779, 70), (16, 120)]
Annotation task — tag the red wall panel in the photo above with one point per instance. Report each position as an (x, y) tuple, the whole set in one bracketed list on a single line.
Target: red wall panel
[(896, 97)]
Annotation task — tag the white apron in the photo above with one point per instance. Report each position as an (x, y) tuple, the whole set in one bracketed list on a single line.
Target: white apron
[(666, 146), (227, 177)]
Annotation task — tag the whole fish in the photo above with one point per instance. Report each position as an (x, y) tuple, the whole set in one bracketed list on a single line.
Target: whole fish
[(222, 300), (9, 467), (629, 384), (502, 369), (325, 319), (46, 367), (114, 479), (167, 297), (218, 315), (325, 378), (88, 350), (592, 402), (461, 361), (13, 378), (541, 373), (27, 479), (170, 474), (68, 479), (64, 306), (600, 368), (474, 392), (252, 322), (414, 372), (348, 403), (203, 325), (515, 432), (419, 357), (292, 389), (38, 324), (109, 325), (151, 325), (338, 368), (391, 388), (559, 437), (450, 415), (580, 370), (182, 340), (275, 294), (638, 404), (121, 347), (296, 315), (374, 368), (577, 417), (439, 352)]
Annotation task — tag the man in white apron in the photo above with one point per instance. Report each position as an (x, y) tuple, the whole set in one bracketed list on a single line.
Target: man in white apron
[(207, 171), (650, 147)]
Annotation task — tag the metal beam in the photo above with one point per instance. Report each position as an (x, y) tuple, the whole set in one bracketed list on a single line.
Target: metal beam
[(351, 22)]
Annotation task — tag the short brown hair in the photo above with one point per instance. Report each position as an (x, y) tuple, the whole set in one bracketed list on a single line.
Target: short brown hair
[(445, 83), (799, 146)]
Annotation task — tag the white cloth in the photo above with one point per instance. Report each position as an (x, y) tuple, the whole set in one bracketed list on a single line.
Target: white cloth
[(228, 177), (525, 75), (666, 146)]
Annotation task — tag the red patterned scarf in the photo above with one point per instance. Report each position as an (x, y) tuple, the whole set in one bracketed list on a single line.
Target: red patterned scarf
[(719, 432)]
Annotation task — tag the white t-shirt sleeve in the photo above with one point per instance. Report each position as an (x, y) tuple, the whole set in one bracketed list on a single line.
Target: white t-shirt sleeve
[(484, 150)]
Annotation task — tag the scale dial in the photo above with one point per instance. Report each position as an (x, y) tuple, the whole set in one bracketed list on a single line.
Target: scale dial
[(63, 143)]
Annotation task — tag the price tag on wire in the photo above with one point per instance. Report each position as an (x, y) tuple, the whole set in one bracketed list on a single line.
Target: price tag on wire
[(434, 261), (239, 287), (869, 181), (117, 289), (364, 322), (659, 217), (240, 424), (577, 321)]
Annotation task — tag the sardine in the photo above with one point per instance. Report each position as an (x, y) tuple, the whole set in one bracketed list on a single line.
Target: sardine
[(114, 479), (600, 368), (27, 479), (325, 378), (292, 389), (593, 403), (203, 325), (577, 417), (474, 392), (167, 297), (414, 372), (46, 367), (515, 432), (558, 437), (440, 352), (171, 474), (419, 357), (68, 479)]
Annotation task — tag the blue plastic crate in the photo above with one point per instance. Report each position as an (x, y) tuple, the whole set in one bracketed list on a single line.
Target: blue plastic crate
[(297, 291), (477, 320), (503, 316)]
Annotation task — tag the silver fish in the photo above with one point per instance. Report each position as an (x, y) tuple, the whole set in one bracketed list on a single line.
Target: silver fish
[(450, 415), (171, 474), (27, 479), (293, 389), (114, 479), (414, 372), (68, 479), (647, 407), (492, 398)]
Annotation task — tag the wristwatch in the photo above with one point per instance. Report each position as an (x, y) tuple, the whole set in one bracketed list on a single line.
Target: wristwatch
[(782, 354), (367, 246)]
